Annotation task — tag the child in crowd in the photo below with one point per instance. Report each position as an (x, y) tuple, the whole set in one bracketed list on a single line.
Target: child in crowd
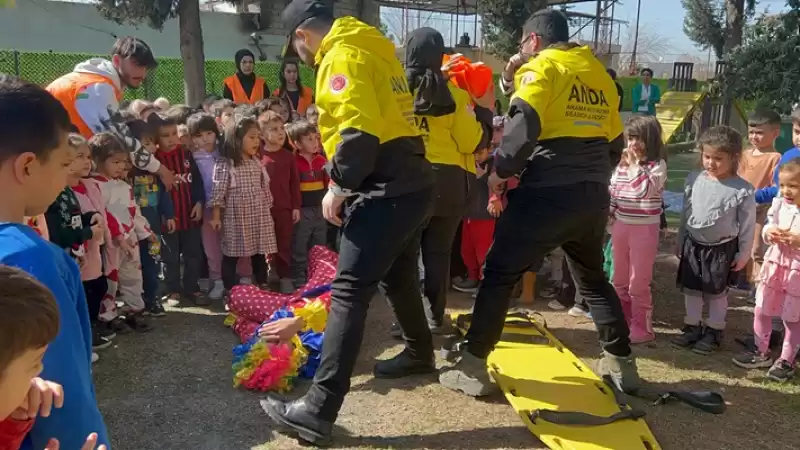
[(127, 228), (88, 211), (35, 158), (284, 185), (161, 103), (636, 190), (241, 188), (205, 133), (31, 323), (757, 166), (222, 110), (477, 227), (208, 101), (156, 206), (188, 197), (715, 237), (311, 229), (775, 296)]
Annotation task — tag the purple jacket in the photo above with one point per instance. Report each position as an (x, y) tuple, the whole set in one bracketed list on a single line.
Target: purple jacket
[(205, 163)]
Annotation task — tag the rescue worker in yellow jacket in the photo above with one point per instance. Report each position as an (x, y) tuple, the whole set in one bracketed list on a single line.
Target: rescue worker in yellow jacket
[(563, 137), (452, 129), (92, 91), (378, 168)]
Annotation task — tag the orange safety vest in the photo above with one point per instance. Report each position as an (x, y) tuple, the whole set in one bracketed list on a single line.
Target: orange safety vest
[(67, 88), (239, 95), (306, 99)]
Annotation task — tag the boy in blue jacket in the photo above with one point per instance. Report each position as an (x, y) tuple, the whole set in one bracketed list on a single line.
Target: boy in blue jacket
[(34, 163)]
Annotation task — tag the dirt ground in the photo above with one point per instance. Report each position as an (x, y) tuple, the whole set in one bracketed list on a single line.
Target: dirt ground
[(171, 389)]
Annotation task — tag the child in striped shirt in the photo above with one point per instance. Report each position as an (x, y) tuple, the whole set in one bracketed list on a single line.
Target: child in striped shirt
[(636, 189)]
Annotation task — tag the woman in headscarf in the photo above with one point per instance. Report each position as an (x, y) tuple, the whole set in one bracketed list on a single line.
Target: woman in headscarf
[(453, 126), (244, 87)]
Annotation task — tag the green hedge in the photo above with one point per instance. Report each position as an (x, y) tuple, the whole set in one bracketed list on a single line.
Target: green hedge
[(164, 81)]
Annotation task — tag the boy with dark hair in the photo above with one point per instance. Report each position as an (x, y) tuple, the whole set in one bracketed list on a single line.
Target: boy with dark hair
[(34, 165), (188, 197), (311, 228), (156, 205)]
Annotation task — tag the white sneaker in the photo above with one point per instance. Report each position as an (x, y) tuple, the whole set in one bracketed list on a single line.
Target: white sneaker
[(217, 291), (95, 357), (578, 312), (245, 280), (556, 305)]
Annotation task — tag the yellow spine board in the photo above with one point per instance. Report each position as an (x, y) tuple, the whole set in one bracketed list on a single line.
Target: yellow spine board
[(544, 374)]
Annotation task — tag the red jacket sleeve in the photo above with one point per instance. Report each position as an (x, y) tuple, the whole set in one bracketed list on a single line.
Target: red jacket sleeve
[(12, 432), (294, 182)]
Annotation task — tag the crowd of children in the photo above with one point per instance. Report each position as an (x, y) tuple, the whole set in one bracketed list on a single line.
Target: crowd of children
[(245, 208), (737, 230)]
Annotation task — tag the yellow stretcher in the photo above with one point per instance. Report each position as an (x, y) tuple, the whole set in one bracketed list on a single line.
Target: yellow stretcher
[(545, 383)]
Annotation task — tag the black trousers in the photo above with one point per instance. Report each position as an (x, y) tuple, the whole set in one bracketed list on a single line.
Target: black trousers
[(437, 247), (379, 246), (536, 221), (95, 290), (186, 243), (230, 277)]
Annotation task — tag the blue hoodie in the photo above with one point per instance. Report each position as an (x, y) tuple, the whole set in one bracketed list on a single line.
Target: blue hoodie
[(766, 194), (67, 360)]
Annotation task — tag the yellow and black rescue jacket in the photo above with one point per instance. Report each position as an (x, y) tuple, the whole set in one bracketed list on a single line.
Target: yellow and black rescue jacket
[(450, 143), (366, 114), (564, 126)]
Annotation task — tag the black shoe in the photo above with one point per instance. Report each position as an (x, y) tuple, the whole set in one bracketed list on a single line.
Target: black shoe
[(99, 342), (103, 330), (402, 365), (138, 323), (294, 419), (690, 335), (781, 371), (156, 310), (711, 341), (118, 326)]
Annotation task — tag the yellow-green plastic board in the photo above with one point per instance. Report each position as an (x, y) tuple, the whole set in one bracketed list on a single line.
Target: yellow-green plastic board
[(674, 108), (537, 371)]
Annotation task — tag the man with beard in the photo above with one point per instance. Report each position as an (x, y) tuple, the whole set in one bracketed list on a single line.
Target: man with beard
[(92, 91)]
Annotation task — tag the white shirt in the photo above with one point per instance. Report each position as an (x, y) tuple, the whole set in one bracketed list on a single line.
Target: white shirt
[(645, 98)]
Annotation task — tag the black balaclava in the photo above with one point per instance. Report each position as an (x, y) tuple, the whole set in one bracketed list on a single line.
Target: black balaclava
[(424, 53)]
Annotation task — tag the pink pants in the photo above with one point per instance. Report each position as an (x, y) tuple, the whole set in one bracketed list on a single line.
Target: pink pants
[(634, 249), (212, 244), (762, 325)]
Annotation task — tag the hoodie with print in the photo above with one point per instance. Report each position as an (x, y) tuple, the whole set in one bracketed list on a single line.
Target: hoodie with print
[(91, 95)]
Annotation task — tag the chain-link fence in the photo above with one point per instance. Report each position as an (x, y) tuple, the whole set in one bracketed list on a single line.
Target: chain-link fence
[(165, 81)]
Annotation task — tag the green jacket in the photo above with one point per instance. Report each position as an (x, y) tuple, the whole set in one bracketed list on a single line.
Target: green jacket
[(636, 99)]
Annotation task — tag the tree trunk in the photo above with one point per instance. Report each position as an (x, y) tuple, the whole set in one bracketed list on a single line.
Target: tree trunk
[(734, 24), (191, 43)]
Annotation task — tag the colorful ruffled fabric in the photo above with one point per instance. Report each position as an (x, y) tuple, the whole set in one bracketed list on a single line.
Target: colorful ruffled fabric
[(262, 366)]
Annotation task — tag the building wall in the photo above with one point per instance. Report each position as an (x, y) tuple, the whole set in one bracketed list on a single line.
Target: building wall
[(56, 26)]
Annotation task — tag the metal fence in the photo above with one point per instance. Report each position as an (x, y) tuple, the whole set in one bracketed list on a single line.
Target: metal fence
[(165, 81)]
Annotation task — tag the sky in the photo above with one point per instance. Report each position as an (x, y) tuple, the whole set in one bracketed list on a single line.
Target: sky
[(662, 18), (666, 18)]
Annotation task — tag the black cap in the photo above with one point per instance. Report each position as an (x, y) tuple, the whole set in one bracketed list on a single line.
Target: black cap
[(550, 24), (297, 12)]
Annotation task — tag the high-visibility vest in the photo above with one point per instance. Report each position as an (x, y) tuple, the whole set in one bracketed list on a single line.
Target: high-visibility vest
[(239, 95), (305, 100), (67, 88)]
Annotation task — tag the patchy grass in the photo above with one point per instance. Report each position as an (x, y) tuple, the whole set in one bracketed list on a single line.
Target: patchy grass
[(172, 389)]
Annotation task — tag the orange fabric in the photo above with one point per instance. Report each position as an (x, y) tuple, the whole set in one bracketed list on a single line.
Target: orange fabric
[(67, 88), (306, 99), (239, 95)]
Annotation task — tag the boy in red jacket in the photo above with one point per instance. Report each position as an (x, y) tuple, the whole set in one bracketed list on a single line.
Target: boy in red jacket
[(29, 320)]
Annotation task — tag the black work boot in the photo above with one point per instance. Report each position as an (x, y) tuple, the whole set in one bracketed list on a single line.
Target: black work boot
[(690, 334), (294, 419), (403, 365)]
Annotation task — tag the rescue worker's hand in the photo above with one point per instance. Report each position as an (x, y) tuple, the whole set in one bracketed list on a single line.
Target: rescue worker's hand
[(332, 207), (496, 184), (487, 100), (513, 64)]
